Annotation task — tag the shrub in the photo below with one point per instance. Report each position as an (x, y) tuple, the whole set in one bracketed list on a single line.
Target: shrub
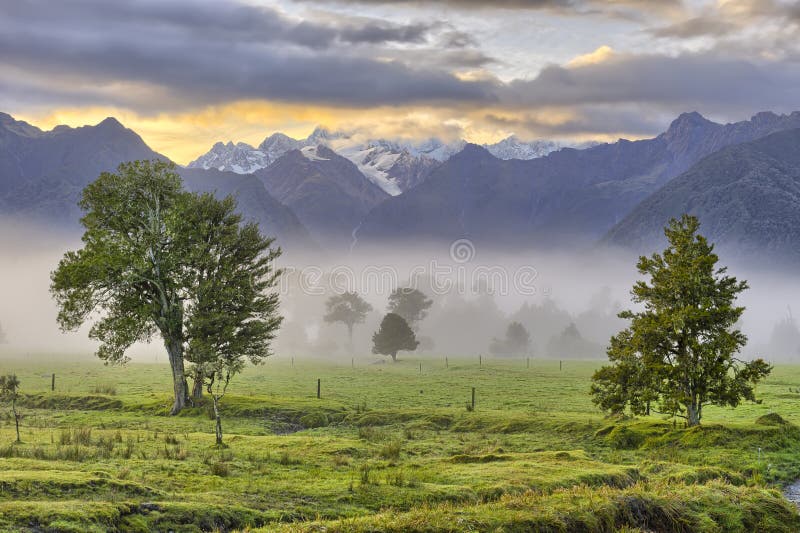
[(391, 450), (220, 468), (314, 420)]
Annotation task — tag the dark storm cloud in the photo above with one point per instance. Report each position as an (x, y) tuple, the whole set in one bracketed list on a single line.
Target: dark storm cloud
[(220, 21), (157, 56), (220, 52)]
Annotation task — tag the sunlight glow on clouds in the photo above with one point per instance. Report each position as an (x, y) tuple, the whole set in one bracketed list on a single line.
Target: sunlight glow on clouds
[(185, 74)]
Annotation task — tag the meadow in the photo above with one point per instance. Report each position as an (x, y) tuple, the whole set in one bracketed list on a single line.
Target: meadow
[(387, 447)]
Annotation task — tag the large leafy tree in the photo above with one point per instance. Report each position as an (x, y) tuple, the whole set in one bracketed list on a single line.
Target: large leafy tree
[(393, 335), (411, 304), (679, 352), (131, 267), (348, 308), (233, 313), (141, 268), (9, 391)]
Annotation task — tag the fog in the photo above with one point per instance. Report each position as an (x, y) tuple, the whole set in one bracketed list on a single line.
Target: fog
[(567, 302)]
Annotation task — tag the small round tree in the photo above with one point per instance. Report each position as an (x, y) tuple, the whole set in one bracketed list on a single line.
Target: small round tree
[(394, 335)]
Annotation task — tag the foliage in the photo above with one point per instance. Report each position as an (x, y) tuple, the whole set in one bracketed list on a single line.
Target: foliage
[(130, 268), (156, 259), (516, 342), (679, 351), (411, 304), (9, 391), (348, 308), (231, 318), (393, 335)]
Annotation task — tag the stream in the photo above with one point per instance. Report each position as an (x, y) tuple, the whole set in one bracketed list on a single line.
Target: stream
[(792, 493)]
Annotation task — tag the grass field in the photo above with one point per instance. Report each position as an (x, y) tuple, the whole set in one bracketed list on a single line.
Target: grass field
[(387, 448)]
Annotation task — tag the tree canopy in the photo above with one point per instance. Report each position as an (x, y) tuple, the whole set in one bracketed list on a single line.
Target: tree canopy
[(410, 303), (348, 308), (9, 391), (393, 335), (517, 341), (679, 352), (159, 260)]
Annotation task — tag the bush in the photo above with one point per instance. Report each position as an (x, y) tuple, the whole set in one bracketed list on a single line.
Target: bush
[(391, 450), (771, 419), (314, 420), (625, 438)]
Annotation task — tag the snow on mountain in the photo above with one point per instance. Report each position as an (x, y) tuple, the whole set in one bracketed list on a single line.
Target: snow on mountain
[(240, 158), (310, 153), (514, 148), (394, 166)]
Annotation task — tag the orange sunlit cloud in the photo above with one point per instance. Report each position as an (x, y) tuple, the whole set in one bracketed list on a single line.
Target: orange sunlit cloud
[(184, 136)]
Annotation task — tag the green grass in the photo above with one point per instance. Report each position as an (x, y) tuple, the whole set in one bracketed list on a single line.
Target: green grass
[(387, 449)]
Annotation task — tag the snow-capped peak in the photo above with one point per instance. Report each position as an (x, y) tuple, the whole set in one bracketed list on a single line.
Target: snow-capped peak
[(310, 153), (393, 165)]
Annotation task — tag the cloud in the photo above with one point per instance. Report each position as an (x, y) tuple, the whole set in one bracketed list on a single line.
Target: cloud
[(211, 52), (180, 59), (601, 54), (706, 81), (612, 8)]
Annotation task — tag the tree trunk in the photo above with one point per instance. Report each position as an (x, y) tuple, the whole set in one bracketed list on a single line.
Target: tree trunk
[(693, 414), (181, 389), (218, 420), (350, 337), (197, 387), (16, 417)]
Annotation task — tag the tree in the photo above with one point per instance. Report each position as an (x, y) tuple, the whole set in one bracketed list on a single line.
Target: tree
[(9, 391), (679, 351), (149, 250), (348, 308), (232, 315), (131, 266), (570, 343), (393, 335), (2, 335), (516, 342), (411, 304)]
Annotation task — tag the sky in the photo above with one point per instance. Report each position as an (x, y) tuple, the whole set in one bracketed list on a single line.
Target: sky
[(187, 73)]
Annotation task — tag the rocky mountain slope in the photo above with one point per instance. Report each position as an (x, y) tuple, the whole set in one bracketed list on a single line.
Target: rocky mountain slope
[(746, 196)]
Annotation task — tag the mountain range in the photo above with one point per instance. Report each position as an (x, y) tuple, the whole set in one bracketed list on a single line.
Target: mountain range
[(746, 196), (394, 166), (43, 173), (330, 192), (566, 198)]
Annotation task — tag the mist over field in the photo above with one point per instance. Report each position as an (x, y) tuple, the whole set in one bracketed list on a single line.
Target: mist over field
[(476, 294)]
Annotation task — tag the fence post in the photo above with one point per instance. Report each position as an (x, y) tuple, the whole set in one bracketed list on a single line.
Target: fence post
[(473, 398), (319, 387)]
